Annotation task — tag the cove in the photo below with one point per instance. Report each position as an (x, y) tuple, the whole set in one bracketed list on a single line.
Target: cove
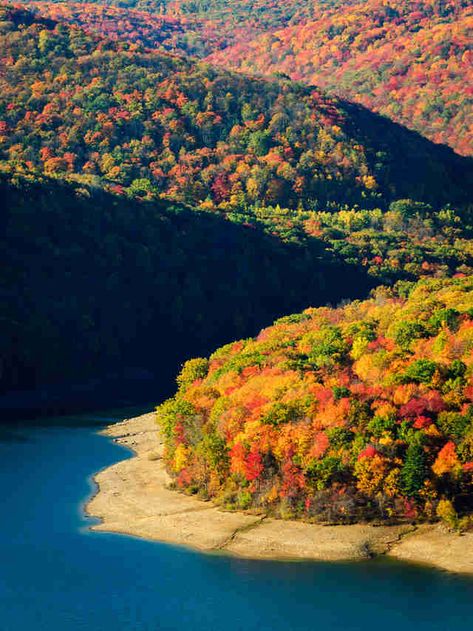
[(55, 574)]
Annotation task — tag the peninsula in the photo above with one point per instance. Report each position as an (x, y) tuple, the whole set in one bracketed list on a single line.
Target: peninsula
[(133, 498)]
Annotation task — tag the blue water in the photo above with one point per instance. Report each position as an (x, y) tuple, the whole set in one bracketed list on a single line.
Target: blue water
[(57, 575)]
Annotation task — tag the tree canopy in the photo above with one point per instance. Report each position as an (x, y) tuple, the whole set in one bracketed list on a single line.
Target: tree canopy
[(152, 125), (336, 414)]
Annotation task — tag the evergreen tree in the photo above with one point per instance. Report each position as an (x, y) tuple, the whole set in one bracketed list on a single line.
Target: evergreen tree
[(414, 470)]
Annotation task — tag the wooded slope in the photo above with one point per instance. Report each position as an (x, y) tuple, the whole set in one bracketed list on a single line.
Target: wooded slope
[(359, 412)]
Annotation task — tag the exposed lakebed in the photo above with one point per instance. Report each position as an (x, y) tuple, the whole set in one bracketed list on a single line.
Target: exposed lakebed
[(57, 574)]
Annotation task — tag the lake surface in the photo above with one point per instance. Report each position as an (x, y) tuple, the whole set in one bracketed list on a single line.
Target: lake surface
[(57, 575)]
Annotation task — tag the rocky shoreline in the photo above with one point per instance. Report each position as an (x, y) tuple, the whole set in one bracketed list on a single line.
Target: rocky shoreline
[(133, 498)]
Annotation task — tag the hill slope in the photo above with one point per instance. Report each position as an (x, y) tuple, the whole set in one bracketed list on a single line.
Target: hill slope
[(236, 20), (410, 61), (93, 283), (181, 34), (156, 125), (360, 412)]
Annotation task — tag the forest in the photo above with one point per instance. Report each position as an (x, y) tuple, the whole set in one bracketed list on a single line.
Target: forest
[(406, 241), (92, 281), (336, 415), (184, 35), (175, 175), (153, 162), (153, 125), (106, 281), (195, 28), (410, 61)]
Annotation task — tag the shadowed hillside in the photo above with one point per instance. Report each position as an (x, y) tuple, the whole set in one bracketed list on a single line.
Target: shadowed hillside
[(94, 284)]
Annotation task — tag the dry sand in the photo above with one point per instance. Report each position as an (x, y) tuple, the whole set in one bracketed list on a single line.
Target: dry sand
[(133, 498)]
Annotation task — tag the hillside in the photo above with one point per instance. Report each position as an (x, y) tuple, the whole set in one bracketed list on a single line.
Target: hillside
[(154, 125), (239, 19), (410, 61), (355, 413), (185, 35), (110, 283), (135, 159), (93, 283), (195, 28), (406, 241), (185, 26)]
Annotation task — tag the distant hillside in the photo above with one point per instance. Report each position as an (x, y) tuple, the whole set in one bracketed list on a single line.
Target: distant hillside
[(185, 35), (154, 125), (235, 19), (410, 61), (336, 415), (196, 27)]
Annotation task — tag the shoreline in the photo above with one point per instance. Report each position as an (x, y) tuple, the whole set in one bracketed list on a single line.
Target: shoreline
[(133, 498)]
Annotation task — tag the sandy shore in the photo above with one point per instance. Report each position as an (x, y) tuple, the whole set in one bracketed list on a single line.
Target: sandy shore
[(133, 498)]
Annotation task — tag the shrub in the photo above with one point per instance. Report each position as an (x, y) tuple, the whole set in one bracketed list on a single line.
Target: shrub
[(447, 514)]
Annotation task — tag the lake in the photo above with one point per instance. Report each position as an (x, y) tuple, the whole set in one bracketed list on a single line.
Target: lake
[(55, 574)]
